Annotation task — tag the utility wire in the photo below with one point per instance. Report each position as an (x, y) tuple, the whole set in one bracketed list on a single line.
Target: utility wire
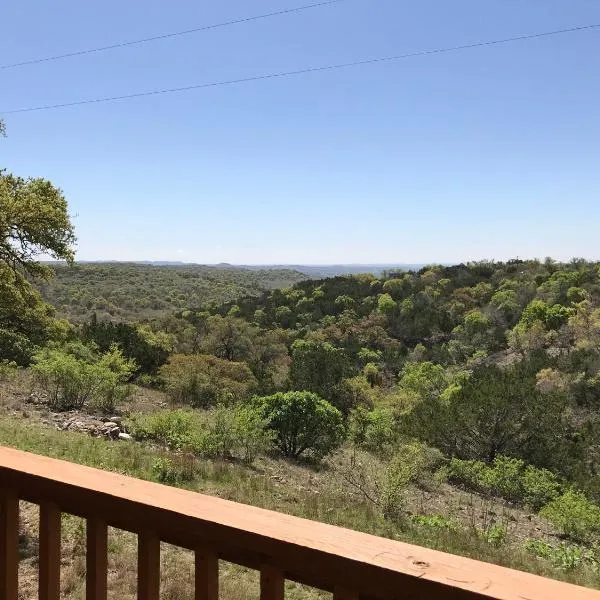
[(165, 36), (308, 70)]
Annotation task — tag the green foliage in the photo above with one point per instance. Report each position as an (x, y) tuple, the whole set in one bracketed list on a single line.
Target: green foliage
[(567, 557), (386, 304), (436, 522), (133, 292), (353, 392), (148, 349), (318, 367), (34, 220), (373, 431), (171, 472), (540, 487), (493, 411), (552, 317), (173, 428), (8, 370), (412, 463), (305, 424), (574, 515), (73, 382), (205, 380), (225, 432), (494, 534), (508, 478)]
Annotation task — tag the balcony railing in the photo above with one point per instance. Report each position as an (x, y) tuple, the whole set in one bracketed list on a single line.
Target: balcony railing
[(352, 565)]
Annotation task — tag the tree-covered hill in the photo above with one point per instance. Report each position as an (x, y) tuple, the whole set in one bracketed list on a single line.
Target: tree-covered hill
[(134, 291)]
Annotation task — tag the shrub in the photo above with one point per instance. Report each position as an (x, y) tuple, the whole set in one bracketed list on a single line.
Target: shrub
[(508, 478), (72, 382), (565, 556), (351, 393), (204, 381), (574, 515), (172, 472), (540, 486), (225, 432), (234, 432), (494, 534), (435, 522), (413, 463), (373, 431), (504, 478), (470, 474), (304, 423), (8, 370), (173, 428)]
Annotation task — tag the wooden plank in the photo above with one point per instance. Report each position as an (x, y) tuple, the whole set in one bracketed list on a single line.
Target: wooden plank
[(49, 559), (9, 545), (313, 553), (207, 574), (96, 559), (148, 566), (272, 583)]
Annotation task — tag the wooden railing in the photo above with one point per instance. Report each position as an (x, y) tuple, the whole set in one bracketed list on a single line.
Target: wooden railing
[(352, 565)]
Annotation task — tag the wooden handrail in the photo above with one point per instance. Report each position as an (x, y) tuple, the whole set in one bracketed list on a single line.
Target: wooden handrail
[(348, 563)]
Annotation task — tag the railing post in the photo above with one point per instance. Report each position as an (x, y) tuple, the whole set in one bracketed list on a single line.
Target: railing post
[(148, 566), (207, 574), (9, 545), (96, 559), (272, 583), (49, 559)]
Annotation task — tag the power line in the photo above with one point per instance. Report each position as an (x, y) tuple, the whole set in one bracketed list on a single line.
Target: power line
[(165, 36), (307, 70)]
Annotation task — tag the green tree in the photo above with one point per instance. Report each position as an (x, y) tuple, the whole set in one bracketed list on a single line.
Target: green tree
[(305, 424), (74, 378), (34, 221), (205, 380), (318, 367)]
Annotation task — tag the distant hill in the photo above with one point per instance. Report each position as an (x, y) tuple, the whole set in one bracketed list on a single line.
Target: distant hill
[(321, 271), (138, 291)]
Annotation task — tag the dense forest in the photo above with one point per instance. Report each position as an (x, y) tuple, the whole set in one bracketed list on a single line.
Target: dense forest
[(477, 360), (135, 291)]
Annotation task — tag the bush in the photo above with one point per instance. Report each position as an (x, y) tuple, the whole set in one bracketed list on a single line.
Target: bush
[(540, 486), (494, 534), (225, 432), (172, 472), (414, 463), (234, 432), (72, 382), (574, 515), (470, 474), (508, 478), (173, 428), (565, 556), (8, 369), (351, 393), (373, 431), (304, 423), (204, 381), (504, 478), (435, 522)]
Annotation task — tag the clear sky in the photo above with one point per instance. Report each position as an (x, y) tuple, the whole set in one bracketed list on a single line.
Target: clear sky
[(485, 153)]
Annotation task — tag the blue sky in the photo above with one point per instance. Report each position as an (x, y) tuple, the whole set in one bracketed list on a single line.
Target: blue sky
[(487, 153)]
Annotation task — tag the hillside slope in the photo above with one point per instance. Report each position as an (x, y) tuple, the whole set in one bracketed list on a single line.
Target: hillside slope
[(135, 291)]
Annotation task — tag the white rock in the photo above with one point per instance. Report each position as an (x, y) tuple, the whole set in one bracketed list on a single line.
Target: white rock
[(125, 436)]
